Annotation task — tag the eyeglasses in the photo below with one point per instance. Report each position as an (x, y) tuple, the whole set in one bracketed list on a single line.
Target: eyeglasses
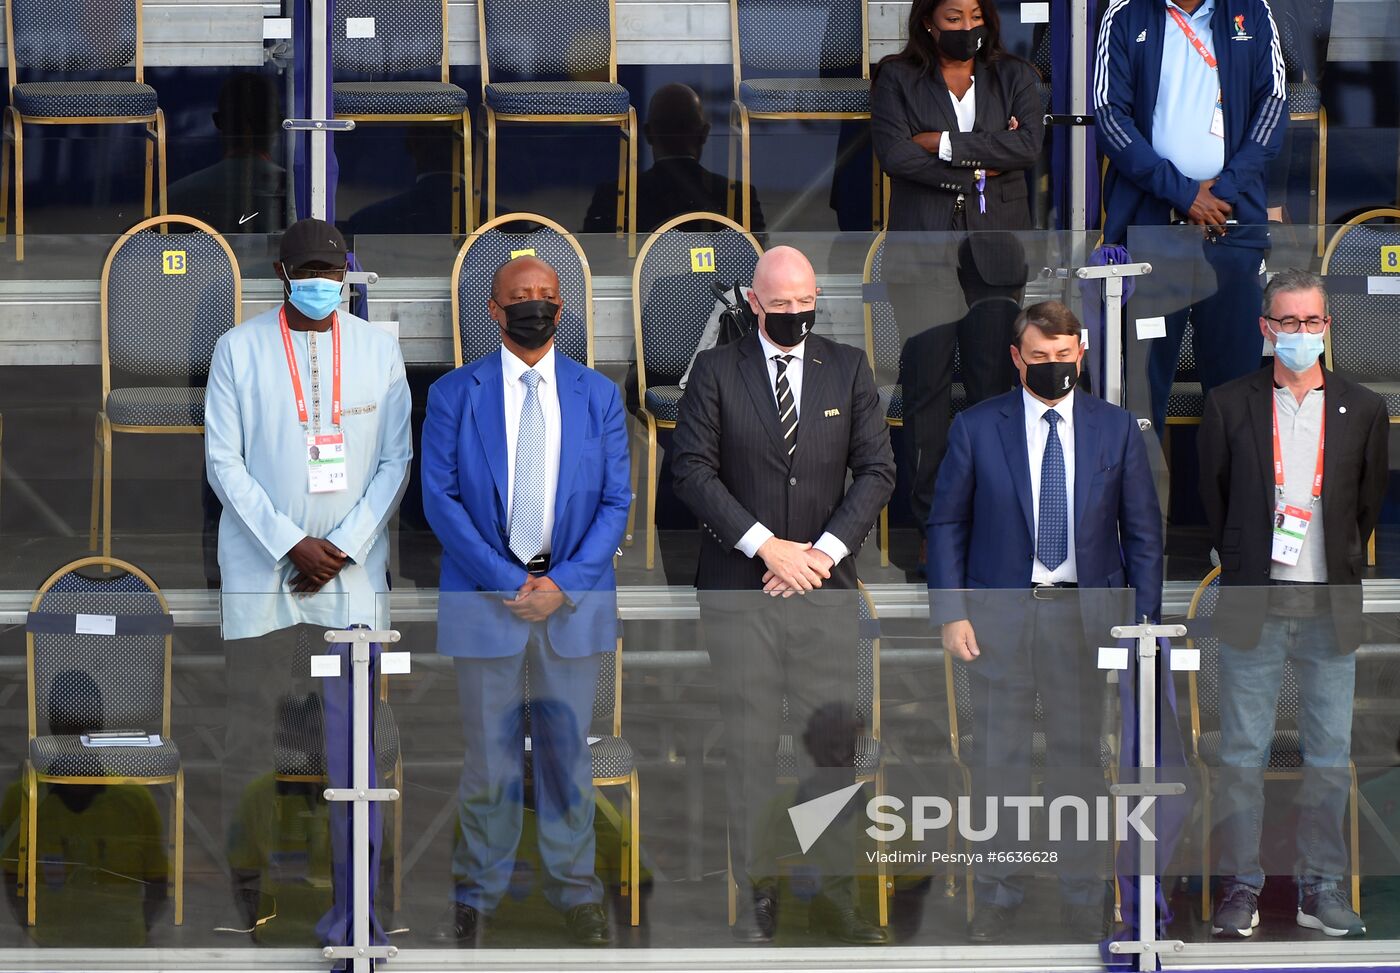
[(307, 273), (1314, 325)]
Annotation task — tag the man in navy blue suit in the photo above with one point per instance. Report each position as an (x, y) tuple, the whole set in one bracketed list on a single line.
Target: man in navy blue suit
[(1044, 511), (525, 483)]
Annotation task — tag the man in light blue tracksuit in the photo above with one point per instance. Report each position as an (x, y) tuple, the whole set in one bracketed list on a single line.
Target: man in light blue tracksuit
[(1190, 107)]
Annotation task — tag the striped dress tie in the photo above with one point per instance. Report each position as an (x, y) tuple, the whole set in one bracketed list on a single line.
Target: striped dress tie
[(787, 405)]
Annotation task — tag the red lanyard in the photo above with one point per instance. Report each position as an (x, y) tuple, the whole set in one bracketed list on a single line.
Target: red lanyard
[(1201, 49), (1321, 448), (297, 393)]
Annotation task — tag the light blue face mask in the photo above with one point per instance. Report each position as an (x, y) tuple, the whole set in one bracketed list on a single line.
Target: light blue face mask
[(316, 297), (1298, 352)]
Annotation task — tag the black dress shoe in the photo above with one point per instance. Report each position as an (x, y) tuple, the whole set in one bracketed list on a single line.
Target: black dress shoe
[(758, 923), (462, 926), (990, 923), (840, 920), (1086, 923), (588, 926)]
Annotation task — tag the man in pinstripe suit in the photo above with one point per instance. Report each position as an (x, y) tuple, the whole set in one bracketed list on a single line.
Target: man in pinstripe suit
[(769, 427)]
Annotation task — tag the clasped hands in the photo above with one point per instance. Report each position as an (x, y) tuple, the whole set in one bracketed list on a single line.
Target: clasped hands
[(1209, 210), (538, 598), (793, 568), (317, 561)]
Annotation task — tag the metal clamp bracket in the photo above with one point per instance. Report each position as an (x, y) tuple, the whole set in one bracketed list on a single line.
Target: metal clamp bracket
[(360, 952), (318, 124), (365, 635), (1153, 948), (366, 795)]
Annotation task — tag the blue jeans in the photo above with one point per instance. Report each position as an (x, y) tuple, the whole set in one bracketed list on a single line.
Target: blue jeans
[(1249, 688)]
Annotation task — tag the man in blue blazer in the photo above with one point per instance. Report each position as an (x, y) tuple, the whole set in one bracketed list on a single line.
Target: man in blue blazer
[(1044, 513), (525, 483)]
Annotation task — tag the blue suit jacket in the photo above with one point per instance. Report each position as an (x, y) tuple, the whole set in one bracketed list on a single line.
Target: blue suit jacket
[(981, 528), (465, 479)]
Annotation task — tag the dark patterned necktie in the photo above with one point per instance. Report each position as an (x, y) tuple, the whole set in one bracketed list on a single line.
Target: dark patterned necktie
[(787, 404), (1052, 537)]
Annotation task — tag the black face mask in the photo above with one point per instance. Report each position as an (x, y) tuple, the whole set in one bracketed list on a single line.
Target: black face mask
[(962, 45), (530, 324), (788, 328), (1052, 379)]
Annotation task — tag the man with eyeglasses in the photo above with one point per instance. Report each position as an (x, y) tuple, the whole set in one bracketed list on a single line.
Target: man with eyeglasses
[(1294, 466), (307, 447)]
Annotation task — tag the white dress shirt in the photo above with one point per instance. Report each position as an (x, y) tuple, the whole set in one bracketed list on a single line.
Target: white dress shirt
[(965, 108), (1037, 432), (754, 538), (548, 392)]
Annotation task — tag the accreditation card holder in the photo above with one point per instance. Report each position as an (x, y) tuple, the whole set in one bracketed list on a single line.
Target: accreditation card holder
[(325, 463), (1217, 119), (1290, 528)]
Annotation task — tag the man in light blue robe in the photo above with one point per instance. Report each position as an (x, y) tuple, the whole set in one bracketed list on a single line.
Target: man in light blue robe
[(306, 499)]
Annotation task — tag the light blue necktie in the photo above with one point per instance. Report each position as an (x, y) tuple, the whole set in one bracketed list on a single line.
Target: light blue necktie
[(1052, 536), (527, 501)]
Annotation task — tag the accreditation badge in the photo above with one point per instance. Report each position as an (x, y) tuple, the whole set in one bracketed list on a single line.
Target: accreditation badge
[(325, 463), (1290, 529)]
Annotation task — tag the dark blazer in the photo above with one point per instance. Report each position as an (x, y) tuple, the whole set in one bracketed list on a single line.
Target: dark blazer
[(981, 529), (923, 188), (465, 479), (732, 469), (1237, 489)]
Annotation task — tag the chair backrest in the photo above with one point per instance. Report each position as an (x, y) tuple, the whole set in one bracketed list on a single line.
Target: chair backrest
[(409, 35), (1205, 684), (73, 35), (98, 682), (1186, 366), (607, 693), (166, 300), (868, 664), (474, 334), (797, 38), (540, 40), (883, 342), (1361, 342), (671, 297)]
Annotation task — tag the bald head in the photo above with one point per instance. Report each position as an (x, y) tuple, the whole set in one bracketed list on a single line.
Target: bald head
[(518, 279), (676, 122), (783, 283), (526, 279)]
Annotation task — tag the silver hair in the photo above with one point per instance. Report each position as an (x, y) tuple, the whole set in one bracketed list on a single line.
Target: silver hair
[(1290, 281)]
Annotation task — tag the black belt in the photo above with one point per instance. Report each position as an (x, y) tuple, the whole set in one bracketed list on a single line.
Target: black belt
[(537, 565), (1045, 592)]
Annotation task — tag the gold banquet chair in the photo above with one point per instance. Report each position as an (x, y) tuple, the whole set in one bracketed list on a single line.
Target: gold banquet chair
[(829, 43), (1363, 347), (94, 682), (75, 36), (1285, 760), (671, 304), (562, 59), (166, 300), (870, 765), (409, 35), (474, 333)]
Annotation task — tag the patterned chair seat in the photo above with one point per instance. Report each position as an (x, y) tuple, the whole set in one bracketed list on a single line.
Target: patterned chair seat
[(1186, 401), (1304, 98), (1285, 750), (664, 402), (1390, 391), (867, 756), (398, 98), (156, 406), (65, 756), (300, 749), (558, 98), (805, 95), (90, 99), (612, 757)]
